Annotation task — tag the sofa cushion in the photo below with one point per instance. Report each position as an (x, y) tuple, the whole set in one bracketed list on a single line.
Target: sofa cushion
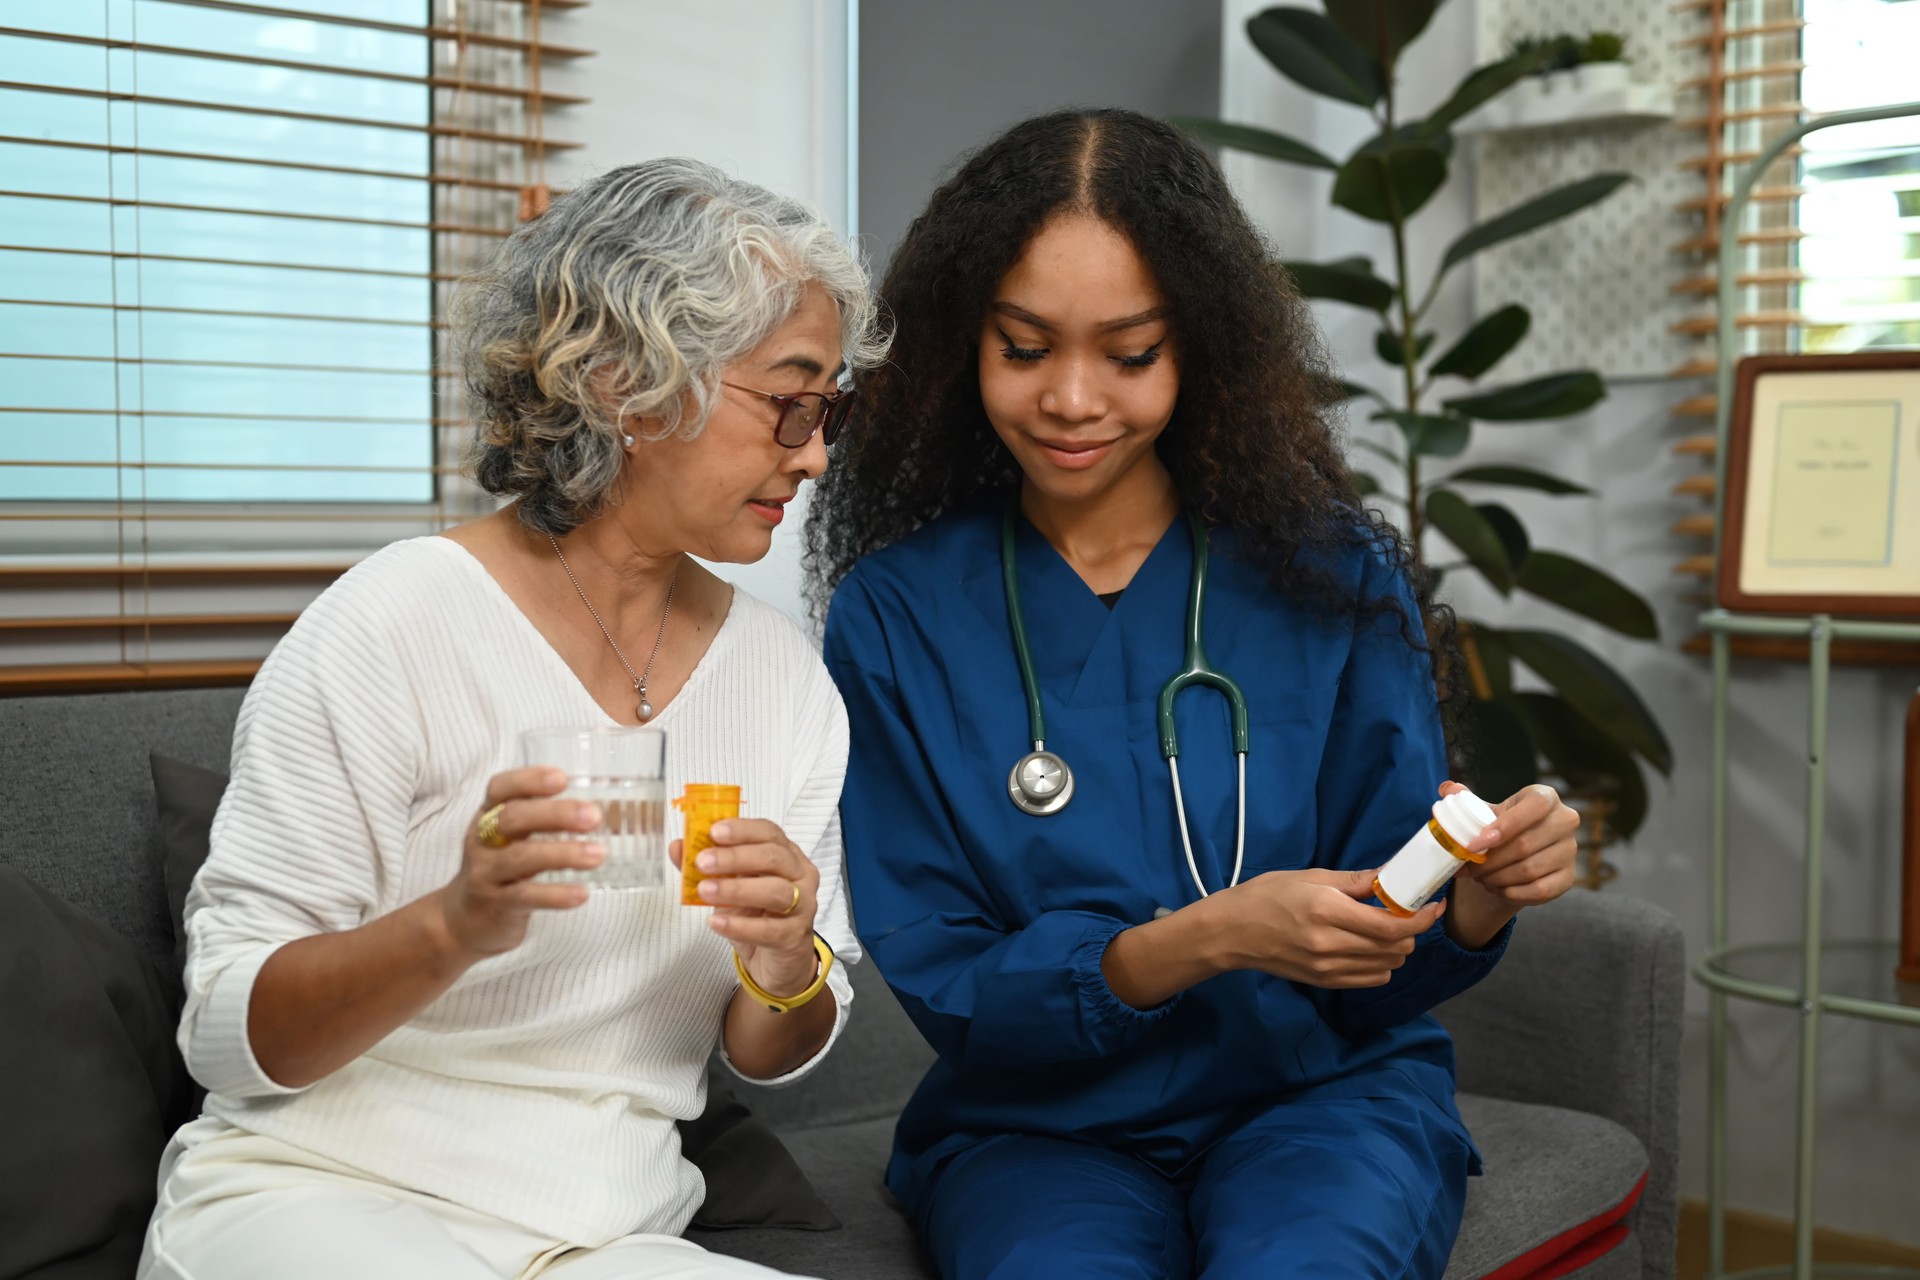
[(185, 798), (80, 793), (1549, 1174), (844, 1163), (752, 1180), (91, 1087)]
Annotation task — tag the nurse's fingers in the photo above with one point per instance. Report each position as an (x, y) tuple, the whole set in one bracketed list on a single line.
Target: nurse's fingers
[(1378, 925)]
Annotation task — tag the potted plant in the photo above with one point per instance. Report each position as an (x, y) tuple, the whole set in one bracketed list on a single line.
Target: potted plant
[(1577, 719), (1603, 65)]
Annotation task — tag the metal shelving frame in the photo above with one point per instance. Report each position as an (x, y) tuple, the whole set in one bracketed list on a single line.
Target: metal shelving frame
[(1715, 967)]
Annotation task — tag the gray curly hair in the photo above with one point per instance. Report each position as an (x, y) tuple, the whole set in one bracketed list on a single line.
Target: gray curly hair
[(626, 300)]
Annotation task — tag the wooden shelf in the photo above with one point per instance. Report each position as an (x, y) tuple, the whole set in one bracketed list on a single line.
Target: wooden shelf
[(1700, 446)]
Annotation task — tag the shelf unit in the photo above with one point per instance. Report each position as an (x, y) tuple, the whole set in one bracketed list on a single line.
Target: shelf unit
[(1764, 971)]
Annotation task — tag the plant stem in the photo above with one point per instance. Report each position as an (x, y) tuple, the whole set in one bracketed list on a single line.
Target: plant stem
[(1408, 320)]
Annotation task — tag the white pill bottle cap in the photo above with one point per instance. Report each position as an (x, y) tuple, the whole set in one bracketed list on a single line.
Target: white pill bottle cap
[(1464, 815)]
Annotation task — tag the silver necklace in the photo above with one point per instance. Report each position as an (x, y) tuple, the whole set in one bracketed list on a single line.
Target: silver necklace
[(645, 709)]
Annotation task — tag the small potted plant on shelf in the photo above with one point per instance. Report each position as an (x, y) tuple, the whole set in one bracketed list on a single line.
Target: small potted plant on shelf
[(1603, 65)]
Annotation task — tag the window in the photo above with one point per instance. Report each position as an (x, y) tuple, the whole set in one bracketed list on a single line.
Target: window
[(1861, 212), (227, 233)]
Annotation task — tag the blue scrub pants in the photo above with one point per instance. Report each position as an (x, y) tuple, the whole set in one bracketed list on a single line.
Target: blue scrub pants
[(1342, 1188)]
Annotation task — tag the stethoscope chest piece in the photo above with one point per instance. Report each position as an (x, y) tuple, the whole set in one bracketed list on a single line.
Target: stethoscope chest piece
[(1041, 783)]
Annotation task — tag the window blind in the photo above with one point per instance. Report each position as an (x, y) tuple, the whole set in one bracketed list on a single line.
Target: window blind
[(228, 234)]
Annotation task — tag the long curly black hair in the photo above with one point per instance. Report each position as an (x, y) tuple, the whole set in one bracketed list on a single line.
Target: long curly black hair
[(1254, 442)]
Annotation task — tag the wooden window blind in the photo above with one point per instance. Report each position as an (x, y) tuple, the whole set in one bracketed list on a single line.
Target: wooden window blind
[(228, 235), (1830, 247)]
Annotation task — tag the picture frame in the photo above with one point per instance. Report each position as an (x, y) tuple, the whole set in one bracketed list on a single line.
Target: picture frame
[(1822, 509)]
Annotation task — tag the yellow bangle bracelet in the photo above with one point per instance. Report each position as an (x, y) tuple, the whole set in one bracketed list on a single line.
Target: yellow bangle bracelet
[(786, 1004)]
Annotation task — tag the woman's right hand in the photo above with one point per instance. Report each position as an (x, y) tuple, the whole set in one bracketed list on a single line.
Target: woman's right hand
[(1315, 927), (487, 904)]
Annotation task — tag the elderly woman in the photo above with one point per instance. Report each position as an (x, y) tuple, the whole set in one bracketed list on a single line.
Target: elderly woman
[(423, 1060)]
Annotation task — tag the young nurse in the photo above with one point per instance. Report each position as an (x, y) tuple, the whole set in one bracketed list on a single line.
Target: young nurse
[(1168, 1045)]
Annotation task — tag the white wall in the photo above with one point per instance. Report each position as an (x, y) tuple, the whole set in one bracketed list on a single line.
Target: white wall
[(758, 87), (1870, 1120)]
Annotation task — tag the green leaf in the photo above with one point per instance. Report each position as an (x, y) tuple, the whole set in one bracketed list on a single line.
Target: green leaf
[(1483, 84), (1309, 50), (1261, 142), (1353, 390), (1468, 530), (1391, 182), (1485, 344), (1580, 751), (1501, 756), (1595, 690), (1513, 534), (1437, 435), (1518, 478), (1381, 28), (1364, 484), (1375, 447), (1389, 347), (1555, 396), (1483, 647), (1347, 280), (1532, 215), (1590, 592)]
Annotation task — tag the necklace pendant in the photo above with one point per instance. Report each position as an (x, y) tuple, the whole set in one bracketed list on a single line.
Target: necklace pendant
[(645, 709)]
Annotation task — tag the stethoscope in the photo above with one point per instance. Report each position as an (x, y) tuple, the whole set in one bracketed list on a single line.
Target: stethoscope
[(1042, 783)]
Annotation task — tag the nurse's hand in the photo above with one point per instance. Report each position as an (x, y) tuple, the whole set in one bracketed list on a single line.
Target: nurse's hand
[(1316, 927), (764, 891), (1530, 860)]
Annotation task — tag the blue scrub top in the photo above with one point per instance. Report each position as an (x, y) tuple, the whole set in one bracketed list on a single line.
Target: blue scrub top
[(990, 924)]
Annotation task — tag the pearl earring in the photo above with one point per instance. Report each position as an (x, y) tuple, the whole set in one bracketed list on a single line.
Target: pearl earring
[(627, 441)]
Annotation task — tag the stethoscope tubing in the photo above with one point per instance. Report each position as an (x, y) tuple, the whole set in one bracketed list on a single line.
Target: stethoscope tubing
[(1197, 670)]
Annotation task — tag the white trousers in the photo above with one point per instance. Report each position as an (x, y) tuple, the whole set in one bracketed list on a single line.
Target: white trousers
[(236, 1206)]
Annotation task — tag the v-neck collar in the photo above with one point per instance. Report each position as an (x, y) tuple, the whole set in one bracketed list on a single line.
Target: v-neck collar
[(1080, 646), (716, 647)]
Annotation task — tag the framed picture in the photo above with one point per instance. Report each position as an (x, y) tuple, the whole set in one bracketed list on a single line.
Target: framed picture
[(1822, 507)]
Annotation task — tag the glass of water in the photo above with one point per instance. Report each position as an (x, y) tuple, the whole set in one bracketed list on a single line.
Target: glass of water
[(623, 770)]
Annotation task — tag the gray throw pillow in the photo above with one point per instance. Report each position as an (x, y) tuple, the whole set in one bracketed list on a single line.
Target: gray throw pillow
[(186, 797), (91, 1087), (752, 1180)]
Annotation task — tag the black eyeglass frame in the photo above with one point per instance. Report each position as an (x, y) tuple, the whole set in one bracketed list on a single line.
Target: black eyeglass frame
[(834, 408)]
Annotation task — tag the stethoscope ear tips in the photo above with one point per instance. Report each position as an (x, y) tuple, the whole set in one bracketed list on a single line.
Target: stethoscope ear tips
[(1040, 784)]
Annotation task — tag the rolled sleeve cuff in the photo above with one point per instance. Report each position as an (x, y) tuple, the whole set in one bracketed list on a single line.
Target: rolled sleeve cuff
[(842, 991), (1469, 959), (1108, 1015), (214, 1038)]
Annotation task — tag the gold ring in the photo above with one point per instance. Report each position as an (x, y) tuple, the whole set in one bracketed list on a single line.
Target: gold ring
[(487, 831), (792, 906)]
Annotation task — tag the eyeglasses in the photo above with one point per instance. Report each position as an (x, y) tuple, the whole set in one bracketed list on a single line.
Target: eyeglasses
[(804, 413)]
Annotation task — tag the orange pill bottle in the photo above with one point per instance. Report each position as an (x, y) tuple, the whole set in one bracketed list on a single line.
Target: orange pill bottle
[(703, 803)]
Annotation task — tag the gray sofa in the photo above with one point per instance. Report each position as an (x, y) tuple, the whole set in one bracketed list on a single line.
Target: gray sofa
[(1569, 1052)]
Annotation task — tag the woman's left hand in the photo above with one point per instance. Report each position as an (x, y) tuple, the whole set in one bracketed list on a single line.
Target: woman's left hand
[(764, 892), (1530, 860)]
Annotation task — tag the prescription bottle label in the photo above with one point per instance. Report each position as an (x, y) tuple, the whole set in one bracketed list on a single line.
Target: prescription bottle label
[(703, 803)]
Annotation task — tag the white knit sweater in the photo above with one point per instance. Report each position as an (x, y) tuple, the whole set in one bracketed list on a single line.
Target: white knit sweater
[(543, 1086)]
